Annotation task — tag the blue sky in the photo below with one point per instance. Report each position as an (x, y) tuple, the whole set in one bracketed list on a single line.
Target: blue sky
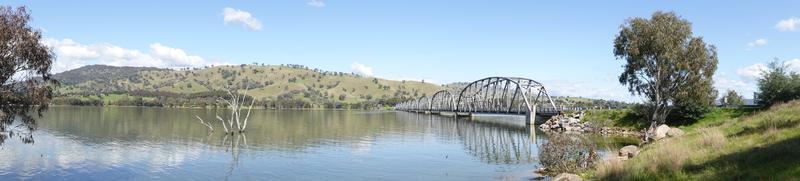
[(567, 45)]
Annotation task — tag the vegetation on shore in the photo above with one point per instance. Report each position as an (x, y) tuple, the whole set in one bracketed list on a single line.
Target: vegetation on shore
[(26, 84), (272, 86), (729, 144), (668, 65)]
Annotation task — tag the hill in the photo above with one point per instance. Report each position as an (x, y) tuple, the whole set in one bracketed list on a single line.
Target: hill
[(273, 86), (101, 73)]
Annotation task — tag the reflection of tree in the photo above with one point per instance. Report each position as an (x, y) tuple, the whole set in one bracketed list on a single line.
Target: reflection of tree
[(234, 148), (233, 144), (288, 131), (490, 142)]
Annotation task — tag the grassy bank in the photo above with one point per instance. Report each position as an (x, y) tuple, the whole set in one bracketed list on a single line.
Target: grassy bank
[(727, 144), (622, 118)]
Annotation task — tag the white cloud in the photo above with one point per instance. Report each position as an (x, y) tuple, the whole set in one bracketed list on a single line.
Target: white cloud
[(788, 24), (70, 55), (361, 69), (757, 43), (177, 56), (752, 72), (723, 84), (316, 3), (231, 15), (794, 65)]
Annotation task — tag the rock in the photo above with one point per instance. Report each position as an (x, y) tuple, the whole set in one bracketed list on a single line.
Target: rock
[(674, 132), (628, 152), (573, 121), (567, 177), (660, 132)]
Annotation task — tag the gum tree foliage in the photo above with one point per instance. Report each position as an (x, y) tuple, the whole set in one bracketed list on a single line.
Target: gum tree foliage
[(778, 84), (25, 80), (666, 64), (732, 99)]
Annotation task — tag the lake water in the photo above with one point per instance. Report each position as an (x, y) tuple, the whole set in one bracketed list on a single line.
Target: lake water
[(129, 143)]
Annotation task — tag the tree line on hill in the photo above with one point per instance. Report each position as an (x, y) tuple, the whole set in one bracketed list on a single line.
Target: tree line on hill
[(291, 100)]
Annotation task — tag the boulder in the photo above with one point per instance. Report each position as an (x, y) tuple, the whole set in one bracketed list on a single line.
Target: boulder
[(660, 132), (567, 177), (628, 152), (674, 132), (573, 121)]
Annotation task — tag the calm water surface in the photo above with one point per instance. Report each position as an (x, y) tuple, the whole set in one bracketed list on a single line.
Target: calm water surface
[(93, 143)]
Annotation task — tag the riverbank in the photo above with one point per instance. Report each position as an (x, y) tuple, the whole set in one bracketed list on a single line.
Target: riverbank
[(211, 107), (728, 144)]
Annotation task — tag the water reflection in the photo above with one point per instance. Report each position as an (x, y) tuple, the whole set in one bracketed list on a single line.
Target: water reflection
[(90, 143), (494, 141)]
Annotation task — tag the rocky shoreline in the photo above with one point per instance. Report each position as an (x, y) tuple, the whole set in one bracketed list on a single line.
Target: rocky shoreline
[(573, 124)]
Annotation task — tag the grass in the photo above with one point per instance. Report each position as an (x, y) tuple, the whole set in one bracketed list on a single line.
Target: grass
[(283, 79), (624, 118), (728, 144)]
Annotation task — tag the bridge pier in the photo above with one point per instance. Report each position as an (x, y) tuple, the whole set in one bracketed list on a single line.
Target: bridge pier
[(458, 114), (530, 118)]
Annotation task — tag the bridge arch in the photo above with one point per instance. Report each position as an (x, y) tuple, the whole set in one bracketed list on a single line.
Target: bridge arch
[(443, 100), (423, 104), (491, 95), (503, 95)]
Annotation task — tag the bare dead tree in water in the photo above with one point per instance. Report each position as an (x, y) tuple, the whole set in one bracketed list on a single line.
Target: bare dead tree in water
[(237, 122), (210, 129)]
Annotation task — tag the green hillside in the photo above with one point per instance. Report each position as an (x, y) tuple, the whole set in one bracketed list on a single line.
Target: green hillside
[(273, 85)]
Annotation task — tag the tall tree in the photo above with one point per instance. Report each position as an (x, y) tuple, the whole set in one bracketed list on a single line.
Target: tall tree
[(732, 99), (778, 84), (25, 80), (665, 63)]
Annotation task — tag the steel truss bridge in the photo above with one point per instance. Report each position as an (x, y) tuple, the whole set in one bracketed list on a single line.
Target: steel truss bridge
[(492, 95)]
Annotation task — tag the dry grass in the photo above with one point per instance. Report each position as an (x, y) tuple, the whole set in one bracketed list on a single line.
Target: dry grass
[(611, 169), (564, 153), (670, 157), (712, 137), (760, 146)]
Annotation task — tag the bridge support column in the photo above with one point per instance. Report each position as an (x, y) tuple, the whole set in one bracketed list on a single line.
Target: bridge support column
[(530, 117)]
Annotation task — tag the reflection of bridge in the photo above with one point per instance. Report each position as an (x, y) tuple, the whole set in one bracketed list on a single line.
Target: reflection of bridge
[(493, 95), (491, 141)]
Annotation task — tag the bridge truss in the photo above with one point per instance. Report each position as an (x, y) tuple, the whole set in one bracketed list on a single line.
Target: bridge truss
[(492, 95)]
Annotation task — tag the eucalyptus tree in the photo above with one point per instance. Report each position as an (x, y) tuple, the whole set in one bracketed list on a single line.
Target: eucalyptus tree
[(26, 83), (732, 99), (778, 84), (665, 63)]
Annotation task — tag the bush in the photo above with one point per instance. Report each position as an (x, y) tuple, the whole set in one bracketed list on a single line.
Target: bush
[(687, 113), (778, 84), (712, 137), (563, 153)]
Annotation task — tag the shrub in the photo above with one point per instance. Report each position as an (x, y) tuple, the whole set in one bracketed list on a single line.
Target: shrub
[(612, 169), (670, 158), (778, 84), (712, 137), (563, 153)]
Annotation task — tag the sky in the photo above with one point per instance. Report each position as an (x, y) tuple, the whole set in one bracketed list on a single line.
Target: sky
[(566, 45)]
